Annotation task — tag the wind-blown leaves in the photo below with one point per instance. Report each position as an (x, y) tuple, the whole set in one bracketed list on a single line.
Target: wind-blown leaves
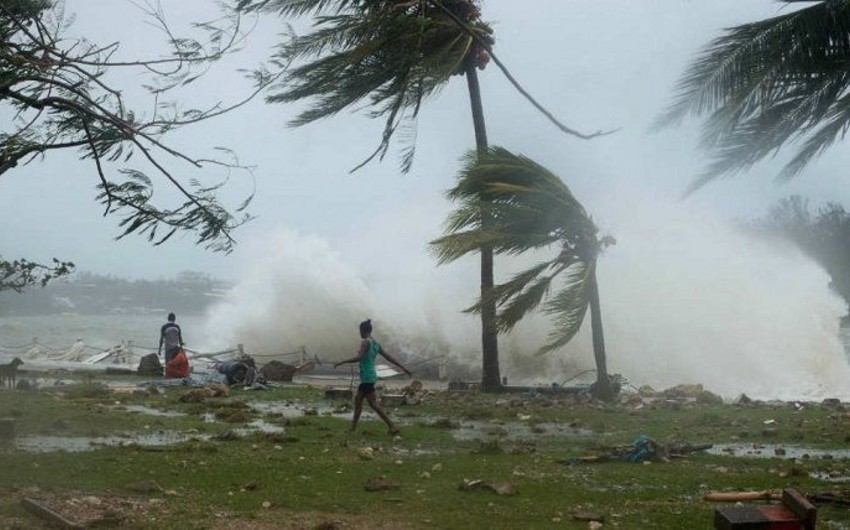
[(514, 205), (387, 56), (768, 83), (57, 93)]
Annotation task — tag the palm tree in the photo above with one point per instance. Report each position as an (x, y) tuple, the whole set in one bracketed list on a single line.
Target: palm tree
[(767, 83), (391, 55), (513, 205)]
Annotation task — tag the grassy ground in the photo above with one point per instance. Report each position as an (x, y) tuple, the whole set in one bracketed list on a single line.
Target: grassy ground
[(311, 473)]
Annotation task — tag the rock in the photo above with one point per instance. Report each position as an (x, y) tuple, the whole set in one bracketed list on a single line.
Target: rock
[(505, 489), (709, 398), (278, 371), (149, 365), (684, 391), (220, 390), (197, 395), (366, 453)]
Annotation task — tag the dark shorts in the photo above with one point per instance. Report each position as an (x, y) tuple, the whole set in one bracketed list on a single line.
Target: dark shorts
[(366, 388)]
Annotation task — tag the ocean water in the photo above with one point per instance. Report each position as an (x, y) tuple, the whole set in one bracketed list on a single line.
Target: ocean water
[(98, 332), (57, 334)]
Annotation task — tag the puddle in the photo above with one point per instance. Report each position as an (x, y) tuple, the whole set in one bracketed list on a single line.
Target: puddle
[(46, 444), (776, 451), (473, 430), (152, 411), (297, 410), (830, 477), (260, 426)]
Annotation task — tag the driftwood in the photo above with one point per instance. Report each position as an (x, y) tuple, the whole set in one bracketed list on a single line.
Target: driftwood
[(735, 496)]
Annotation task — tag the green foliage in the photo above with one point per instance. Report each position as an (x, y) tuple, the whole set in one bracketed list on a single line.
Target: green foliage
[(313, 473), (385, 55), (57, 93), (21, 273), (767, 83), (514, 205)]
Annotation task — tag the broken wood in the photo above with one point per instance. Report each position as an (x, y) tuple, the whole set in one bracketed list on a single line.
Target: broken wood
[(46, 514), (736, 496)]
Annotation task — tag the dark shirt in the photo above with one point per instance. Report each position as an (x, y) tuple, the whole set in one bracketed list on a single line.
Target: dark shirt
[(170, 336)]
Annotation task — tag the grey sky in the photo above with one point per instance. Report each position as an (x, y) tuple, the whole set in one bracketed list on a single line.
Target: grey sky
[(596, 65), (682, 293)]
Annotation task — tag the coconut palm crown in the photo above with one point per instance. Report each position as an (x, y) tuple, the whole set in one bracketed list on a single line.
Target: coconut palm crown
[(528, 208), (768, 83), (386, 55)]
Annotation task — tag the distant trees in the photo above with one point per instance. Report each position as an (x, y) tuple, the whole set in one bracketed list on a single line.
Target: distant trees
[(189, 292), (824, 235), (55, 95)]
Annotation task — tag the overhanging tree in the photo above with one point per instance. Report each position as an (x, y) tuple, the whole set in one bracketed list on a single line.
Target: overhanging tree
[(514, 205), (55, 95)]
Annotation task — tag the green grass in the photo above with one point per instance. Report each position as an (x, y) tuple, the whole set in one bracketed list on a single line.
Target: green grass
[(315, 471)]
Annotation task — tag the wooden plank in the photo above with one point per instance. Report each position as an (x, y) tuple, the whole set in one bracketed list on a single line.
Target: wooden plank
[(46, 514), (802, 508)]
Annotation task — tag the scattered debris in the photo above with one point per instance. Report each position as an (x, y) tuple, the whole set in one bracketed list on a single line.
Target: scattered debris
[(643, 449), (278, 371), (505, 489), (150, 365)]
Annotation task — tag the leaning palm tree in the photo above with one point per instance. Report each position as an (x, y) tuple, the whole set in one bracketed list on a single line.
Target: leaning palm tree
[(514, 205), (768, 83), (389, 55)]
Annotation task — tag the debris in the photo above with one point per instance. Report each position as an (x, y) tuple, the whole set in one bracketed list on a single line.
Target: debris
[(739, 496), (149, 365), (278, 371), (505, 489), (47, 514), (643, 449)]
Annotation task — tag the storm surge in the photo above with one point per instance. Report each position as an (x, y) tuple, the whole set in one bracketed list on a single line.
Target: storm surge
[(686, 298)]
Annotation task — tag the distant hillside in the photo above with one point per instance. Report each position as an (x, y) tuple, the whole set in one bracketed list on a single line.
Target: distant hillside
[(92, 294)]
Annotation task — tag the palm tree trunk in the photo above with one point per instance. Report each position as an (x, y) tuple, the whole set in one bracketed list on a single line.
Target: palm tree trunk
[(490, 377), (603, 384)]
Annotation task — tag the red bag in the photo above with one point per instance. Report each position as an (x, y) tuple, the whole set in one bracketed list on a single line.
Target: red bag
[(178, 367)]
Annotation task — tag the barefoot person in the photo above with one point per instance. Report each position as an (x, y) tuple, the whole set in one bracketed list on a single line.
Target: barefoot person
[(369, 350)]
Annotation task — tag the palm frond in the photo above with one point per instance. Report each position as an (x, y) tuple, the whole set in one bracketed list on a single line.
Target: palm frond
[(512, 204), (569, 306), (768, 83), (388, 57)]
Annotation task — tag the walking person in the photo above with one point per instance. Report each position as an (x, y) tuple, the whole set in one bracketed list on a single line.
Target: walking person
[(170, 336), (366, 355)]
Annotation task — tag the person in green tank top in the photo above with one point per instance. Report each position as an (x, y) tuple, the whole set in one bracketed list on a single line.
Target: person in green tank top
[(366, 355)]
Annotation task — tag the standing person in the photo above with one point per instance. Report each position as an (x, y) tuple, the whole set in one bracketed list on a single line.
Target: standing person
[(172, 337), (366, 355)]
